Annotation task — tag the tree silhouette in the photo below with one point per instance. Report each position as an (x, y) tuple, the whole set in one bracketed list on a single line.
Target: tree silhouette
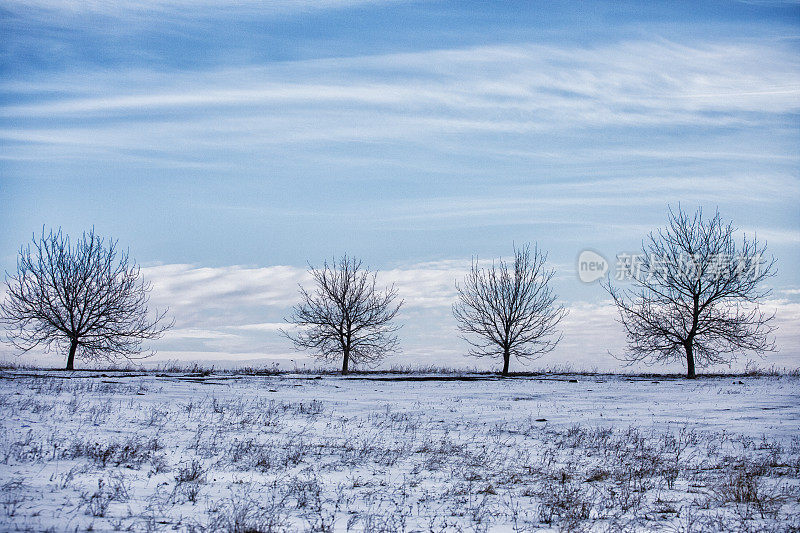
[(509, 310), (696, 295), (346, 317), (88, 299)]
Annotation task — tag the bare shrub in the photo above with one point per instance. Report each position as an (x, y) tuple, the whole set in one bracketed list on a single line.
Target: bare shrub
[(193, 472), (745, 487), (244, 512), (134, 451), (108, 491), (11, 497), (565, 500)]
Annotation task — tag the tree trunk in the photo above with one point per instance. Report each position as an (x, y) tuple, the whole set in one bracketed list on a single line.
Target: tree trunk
[(689, 361), (346, 361), (506, 357), (73, 346)]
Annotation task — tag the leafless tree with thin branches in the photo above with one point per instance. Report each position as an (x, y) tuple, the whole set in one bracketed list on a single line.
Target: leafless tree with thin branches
[(88, 299), (509, 310), (696, 295), (346, 317)]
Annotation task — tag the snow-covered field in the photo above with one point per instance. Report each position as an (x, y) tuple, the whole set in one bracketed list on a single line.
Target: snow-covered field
[(393, 453)]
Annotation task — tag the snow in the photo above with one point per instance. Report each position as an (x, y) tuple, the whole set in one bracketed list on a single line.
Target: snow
[(388, 452)]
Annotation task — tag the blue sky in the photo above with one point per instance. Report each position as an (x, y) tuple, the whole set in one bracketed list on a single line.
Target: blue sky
[(227, 144)]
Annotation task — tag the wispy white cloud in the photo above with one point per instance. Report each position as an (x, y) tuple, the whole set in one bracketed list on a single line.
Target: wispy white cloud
[(190, 288), (181, 334), (522, 88), (54, 11), (555, 203), (263, 326), (774, 236)]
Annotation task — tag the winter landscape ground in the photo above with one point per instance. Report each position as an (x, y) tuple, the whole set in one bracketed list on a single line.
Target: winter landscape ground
[(207, 451)]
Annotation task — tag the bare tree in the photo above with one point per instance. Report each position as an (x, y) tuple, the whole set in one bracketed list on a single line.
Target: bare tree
[(510, 308), (346, 317), (87, 298), (696, 295)]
